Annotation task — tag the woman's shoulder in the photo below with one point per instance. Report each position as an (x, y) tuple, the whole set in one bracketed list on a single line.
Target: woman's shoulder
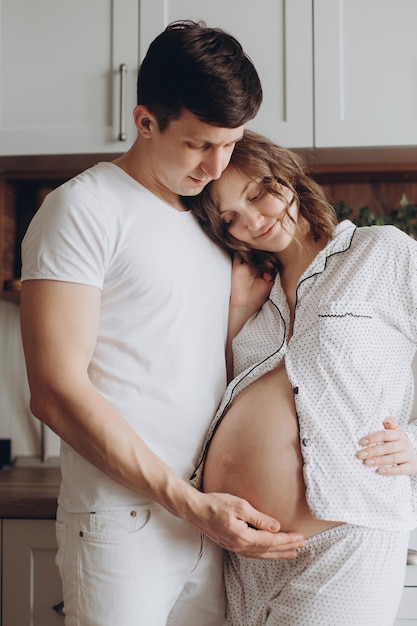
[(386, 234)]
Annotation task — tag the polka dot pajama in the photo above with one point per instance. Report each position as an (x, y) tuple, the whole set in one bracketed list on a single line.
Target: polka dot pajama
[(345, 576)]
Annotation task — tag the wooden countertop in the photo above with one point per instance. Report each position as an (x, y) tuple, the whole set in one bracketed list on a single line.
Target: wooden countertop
[(29, 492)]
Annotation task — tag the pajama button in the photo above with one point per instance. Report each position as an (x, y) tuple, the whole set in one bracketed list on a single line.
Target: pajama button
[(133, 513), (305, 441)]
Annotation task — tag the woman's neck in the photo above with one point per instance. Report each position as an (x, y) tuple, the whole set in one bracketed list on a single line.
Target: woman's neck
[(295, 260)]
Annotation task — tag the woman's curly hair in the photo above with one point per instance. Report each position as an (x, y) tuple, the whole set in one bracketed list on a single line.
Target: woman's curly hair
[(267, 163)]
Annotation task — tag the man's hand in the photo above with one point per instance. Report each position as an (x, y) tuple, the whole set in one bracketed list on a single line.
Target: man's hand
[(389, 451), (236, 526)]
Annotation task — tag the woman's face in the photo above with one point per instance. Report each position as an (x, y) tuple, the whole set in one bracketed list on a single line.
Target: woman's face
[(254, 216)]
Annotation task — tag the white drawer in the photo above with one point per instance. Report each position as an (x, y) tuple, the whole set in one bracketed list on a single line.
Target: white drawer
[(411, 576), (408, 606)]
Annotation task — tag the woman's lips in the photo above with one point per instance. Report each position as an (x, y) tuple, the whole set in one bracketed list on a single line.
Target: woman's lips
[(266, 233)]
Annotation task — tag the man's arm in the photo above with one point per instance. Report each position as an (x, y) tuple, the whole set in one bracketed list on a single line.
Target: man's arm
[(59, 330)]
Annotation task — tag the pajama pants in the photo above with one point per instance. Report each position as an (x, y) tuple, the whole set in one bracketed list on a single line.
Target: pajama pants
[(345, 576), (138, 566)]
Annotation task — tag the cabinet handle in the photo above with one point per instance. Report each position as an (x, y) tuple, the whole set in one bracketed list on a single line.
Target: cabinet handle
[(59, 608), (412, 557), (122, 118)]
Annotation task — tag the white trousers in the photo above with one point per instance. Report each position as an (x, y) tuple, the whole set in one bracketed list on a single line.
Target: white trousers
[(138, 567), (345, 576)]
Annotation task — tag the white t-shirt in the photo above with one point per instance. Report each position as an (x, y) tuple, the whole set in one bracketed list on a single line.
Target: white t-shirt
[(349, 361), (159, 357)]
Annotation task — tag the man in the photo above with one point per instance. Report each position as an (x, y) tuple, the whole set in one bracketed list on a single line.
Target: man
[(124, 320)]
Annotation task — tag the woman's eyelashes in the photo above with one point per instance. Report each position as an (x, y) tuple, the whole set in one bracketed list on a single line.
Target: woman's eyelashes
[(229, 219), (257, 196)]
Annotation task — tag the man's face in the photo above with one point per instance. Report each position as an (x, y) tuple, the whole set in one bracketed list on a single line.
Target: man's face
[(187, 155)]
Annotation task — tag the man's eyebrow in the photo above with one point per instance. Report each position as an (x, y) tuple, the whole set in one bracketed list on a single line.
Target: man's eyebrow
[(204, 142)]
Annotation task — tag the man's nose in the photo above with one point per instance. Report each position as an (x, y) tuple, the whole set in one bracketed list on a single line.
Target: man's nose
[(214, 164)]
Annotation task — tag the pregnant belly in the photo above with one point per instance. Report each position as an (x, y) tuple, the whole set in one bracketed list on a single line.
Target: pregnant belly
[(255, 454)]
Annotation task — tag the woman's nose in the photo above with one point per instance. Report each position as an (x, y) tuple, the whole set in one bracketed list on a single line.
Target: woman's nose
[(254, 219)]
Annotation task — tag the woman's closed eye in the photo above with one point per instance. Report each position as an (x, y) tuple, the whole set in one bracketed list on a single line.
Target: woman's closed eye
[(257, 196), (229, 218)]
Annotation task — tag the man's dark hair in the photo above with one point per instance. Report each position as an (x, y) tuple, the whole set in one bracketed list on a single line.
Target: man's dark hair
[(201, 69)]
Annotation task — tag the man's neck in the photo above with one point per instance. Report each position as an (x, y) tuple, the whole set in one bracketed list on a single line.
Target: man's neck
[(133, 162)]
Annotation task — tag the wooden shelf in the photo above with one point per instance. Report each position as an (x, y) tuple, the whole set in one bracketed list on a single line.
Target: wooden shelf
[(29, 492)]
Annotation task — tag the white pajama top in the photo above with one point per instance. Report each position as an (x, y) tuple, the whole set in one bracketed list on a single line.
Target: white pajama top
[(349, 362)]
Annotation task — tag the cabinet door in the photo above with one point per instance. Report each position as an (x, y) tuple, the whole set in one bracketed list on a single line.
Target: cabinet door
[(31, 583), (365, 80), (407, 614), (60, 78), (277, 35), (411, 575)]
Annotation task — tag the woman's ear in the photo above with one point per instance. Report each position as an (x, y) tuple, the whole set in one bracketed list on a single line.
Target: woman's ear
[(145, 122)]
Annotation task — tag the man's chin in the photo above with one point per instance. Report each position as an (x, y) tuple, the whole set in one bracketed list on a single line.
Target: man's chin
[(191, 194), (194, 191)]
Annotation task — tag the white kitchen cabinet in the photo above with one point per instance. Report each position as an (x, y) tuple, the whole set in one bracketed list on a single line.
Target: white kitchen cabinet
[(277, 35), (363, 61), (334, 74), (60, 75), (365, 81), (407, 614), (30, 581)]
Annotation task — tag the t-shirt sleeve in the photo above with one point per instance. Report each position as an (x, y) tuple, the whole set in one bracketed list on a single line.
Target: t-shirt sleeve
[(68, 239)]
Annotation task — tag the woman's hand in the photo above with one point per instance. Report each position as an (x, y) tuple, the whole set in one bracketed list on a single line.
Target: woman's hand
[(389, 451), (250, 289)]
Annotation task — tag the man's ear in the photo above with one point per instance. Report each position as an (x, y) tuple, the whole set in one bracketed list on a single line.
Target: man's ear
[(144, 120)]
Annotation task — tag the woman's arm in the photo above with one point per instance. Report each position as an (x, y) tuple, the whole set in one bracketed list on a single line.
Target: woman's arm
[(249, 291), (389, 451)]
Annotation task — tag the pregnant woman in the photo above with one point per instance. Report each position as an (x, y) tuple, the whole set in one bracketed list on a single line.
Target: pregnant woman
[(303, 431)]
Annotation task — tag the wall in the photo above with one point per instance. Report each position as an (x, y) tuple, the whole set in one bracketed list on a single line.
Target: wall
[(16, 421)]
